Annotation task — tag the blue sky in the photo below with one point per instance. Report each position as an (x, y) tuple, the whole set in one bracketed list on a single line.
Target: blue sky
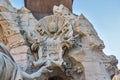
[(104, 15)]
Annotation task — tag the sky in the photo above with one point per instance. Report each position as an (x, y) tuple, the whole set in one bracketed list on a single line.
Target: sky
[(105, 17)]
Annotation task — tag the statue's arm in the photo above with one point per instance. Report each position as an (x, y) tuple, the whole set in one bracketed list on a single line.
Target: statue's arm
[(35, 74)]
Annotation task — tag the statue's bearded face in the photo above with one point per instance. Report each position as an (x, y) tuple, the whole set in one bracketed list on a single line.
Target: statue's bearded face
[(53, 27)]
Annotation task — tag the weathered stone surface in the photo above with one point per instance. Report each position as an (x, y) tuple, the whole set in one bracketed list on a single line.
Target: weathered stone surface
[(10, 70), (13, 23), (8, 35), (2, 9), (6, 5), (117, 75), (61, 46)]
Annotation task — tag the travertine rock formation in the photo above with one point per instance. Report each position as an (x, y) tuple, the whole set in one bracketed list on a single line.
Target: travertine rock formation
[(62, 46), (13, 23), (6, 6), (117, 75)]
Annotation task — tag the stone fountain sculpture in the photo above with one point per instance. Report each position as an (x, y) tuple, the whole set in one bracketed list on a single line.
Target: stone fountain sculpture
[(56, 39), (70, 42), (62, 46), (9, 70)]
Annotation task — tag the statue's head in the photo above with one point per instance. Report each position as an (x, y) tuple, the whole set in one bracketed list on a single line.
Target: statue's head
[(53, 27)]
